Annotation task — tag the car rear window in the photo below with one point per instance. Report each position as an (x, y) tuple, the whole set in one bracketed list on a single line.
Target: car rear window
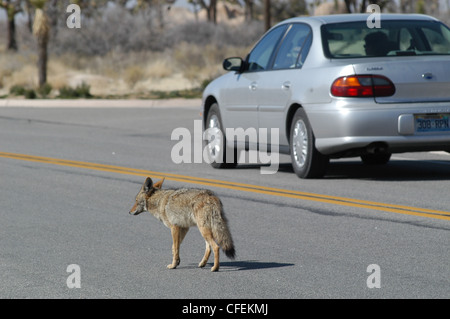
[(394, 38)]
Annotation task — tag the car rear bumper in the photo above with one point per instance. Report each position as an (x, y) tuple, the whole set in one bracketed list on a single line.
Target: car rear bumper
[(356, 145), (342, 128)]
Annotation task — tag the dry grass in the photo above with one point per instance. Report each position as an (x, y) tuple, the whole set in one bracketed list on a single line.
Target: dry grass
[(184, 67), (17, 69)]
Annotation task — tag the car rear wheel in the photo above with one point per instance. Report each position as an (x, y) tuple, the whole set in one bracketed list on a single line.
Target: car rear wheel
[(307, 161), (216, 148)]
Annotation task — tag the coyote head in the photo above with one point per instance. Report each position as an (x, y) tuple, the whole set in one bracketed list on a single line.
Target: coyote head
[(144, 194)]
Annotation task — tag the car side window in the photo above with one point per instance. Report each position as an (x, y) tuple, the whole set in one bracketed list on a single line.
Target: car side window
[(293, 43), (259, 58)]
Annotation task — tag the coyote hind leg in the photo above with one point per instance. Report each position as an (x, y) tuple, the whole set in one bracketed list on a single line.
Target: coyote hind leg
[(206, 256), (210, 243)]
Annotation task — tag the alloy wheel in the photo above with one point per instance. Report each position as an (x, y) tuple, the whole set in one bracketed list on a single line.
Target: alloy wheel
[(300, 143)]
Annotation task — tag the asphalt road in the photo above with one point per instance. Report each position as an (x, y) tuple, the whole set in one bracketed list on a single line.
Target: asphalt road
[(62, 205)]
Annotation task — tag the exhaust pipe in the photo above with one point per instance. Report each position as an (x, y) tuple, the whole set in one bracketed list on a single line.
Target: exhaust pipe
[(377, 148)]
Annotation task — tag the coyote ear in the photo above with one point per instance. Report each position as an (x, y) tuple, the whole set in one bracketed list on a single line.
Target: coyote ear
[(148, 185), (159, 183)]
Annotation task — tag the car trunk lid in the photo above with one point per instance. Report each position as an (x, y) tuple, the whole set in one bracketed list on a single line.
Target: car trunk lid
[(416, 78)]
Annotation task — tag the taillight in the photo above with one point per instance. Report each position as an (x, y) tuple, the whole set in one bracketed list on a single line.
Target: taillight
[(362, 86)]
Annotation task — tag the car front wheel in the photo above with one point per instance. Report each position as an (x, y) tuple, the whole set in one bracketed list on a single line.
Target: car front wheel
[(307, 161), (216, 145)]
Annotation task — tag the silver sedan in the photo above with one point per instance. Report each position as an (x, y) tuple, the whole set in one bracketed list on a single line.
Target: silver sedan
[(335, 86)]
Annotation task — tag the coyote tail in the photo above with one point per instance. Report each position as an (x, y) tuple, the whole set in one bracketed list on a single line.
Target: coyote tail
[(222, 235)]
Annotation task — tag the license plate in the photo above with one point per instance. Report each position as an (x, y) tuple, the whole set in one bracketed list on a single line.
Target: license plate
[(432, 122)]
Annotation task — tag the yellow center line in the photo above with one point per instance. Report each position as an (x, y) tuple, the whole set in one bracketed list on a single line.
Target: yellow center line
[(335, 200)]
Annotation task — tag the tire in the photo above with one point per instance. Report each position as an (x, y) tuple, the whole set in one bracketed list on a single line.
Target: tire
[(217, 151), (376, 159), (307, 161)]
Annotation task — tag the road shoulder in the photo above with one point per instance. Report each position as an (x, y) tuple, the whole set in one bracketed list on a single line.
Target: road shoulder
[(60, 103)]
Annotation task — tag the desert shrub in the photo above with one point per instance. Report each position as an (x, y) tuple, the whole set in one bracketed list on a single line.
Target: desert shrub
[(133, 74), (160, 67), (17, 90), (187, 94), (116, 28), (120, 30), (203, 62), (30, 94), (80, 91), (45, 90)]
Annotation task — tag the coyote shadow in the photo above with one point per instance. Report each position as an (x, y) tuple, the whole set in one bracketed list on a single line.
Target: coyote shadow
[(250, 265)]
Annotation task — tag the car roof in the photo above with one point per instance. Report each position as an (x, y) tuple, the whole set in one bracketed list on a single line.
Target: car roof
[(353, 17)]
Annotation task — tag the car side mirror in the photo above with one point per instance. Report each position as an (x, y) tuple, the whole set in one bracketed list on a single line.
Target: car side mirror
[(233, 64)]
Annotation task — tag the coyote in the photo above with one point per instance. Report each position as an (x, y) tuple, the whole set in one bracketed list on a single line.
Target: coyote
[(182, 208)]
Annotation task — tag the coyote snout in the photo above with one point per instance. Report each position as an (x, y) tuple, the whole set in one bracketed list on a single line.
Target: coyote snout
[(180, 209)]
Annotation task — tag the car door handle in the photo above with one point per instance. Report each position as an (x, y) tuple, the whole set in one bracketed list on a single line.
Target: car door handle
[(286, 85), (253, 86)]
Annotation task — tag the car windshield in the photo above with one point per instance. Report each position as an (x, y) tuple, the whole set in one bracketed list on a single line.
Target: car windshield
[(394, 38)]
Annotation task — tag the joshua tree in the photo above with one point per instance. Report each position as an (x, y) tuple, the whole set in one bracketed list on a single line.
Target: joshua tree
[(41, 30), (12, 7)]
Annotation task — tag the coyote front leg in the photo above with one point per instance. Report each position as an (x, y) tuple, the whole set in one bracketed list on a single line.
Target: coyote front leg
[(178, 235)]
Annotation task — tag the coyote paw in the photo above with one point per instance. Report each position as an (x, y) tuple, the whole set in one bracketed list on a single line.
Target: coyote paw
[(174, 264), (215, 268), (202, 264)]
